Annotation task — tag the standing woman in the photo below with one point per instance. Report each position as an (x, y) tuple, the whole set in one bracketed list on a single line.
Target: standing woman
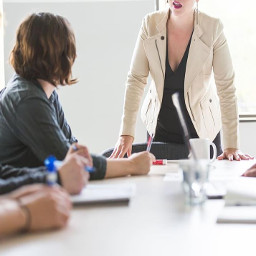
[(180, 47)]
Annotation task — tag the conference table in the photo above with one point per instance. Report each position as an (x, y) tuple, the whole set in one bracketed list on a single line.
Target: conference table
[(156, 221)]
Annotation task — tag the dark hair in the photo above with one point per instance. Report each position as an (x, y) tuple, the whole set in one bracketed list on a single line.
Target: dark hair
[(45, 49)]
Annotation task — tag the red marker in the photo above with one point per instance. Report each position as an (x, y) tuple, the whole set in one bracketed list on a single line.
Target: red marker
[(160, 162)]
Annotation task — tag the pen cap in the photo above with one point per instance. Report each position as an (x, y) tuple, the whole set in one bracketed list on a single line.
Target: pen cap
[(160, 162), (49, 163)]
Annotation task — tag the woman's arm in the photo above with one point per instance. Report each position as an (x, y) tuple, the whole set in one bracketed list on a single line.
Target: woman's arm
[(36, 125), (224, 78), (135, 85), (137, 164)]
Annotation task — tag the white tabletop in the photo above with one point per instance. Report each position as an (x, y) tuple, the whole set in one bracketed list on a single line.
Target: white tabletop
[(155, 222)]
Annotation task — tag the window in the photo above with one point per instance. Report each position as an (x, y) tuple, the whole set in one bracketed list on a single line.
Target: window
[(239, 21)]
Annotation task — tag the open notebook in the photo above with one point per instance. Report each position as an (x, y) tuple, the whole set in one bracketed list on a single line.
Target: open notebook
[(104, 193)]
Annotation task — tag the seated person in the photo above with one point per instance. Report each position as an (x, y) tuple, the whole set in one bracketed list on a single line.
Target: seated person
[(33, 208), (32, 122), (71, 174)]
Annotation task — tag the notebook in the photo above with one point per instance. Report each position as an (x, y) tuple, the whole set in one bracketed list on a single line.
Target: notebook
[(238, 214), (104, 193), (240, 202)]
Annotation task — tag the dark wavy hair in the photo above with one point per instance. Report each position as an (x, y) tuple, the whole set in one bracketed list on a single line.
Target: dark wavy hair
[(45, 49)]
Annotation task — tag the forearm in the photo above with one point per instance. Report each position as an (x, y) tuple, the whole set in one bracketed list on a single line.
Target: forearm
[(118, 168), (12, 218), (100, 165), (13, 183), (135, 84), (224, 79), (133, 96), (7, 171)]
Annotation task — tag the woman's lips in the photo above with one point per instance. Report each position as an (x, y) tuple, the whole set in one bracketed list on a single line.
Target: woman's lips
[(177, 5)]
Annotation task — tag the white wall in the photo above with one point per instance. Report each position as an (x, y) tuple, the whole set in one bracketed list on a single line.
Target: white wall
[(106, 32), (248, 137)]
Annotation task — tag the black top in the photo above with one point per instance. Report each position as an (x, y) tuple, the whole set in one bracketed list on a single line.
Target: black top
[(168, 125), (32, 127)]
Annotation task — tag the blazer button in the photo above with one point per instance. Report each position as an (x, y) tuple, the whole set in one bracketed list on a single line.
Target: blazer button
[(210, 100), (162, 37)]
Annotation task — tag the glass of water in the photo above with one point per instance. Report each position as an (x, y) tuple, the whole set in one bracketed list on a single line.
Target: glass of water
[(195, 178)]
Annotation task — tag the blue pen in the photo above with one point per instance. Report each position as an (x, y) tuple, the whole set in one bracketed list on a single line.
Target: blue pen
[(51, 177), (89, 169)]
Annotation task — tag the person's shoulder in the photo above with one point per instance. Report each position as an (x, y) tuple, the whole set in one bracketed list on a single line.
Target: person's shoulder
[(18, 90), (153, 20), (209, 22), (156, 16)]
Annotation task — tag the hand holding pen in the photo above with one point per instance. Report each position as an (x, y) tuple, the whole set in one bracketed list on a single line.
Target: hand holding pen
[(158, 161), (150, 141), (71, 172), (82, 151)]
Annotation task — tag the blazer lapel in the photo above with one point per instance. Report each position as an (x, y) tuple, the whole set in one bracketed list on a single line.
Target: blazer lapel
[(198, 54), (155, 48)]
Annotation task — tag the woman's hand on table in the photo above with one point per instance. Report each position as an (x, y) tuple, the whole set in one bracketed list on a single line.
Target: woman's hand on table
[(123, 146), (234, 154)]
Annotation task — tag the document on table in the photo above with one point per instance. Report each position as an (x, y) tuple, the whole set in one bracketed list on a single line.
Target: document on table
[(104, 193), (240, 202), (241, 192), (237, 214)]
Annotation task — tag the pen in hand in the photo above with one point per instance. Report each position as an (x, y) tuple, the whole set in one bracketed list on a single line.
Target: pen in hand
[(89, 169), (150, 140)]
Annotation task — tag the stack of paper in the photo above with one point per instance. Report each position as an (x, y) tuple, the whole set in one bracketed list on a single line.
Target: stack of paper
[(240, 202), (242, 191), (103, 193), (237, 214)]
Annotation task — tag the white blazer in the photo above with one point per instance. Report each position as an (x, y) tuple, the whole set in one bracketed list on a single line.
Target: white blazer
[(209, 109)]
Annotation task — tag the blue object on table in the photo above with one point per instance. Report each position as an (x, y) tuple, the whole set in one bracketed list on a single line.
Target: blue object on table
[(49, 163)]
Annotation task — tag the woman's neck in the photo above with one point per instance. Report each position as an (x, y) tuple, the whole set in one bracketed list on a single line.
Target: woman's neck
[(182, 23), (47, 87)]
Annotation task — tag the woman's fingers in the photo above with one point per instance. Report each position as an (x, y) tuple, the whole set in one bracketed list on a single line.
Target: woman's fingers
[(250, 157), (244, 157), (122, 153), (230, 157), (115, 152), (234, 154), (221, 157)]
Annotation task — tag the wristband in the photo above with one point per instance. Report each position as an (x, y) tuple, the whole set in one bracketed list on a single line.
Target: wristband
[(27, 213)]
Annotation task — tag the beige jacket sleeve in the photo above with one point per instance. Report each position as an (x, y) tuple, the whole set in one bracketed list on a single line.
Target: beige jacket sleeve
[(135, 84), (224, 79)]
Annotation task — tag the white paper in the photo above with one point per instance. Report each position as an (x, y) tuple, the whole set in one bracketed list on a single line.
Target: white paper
[(94, 193), (242, 191), (237, 214)]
